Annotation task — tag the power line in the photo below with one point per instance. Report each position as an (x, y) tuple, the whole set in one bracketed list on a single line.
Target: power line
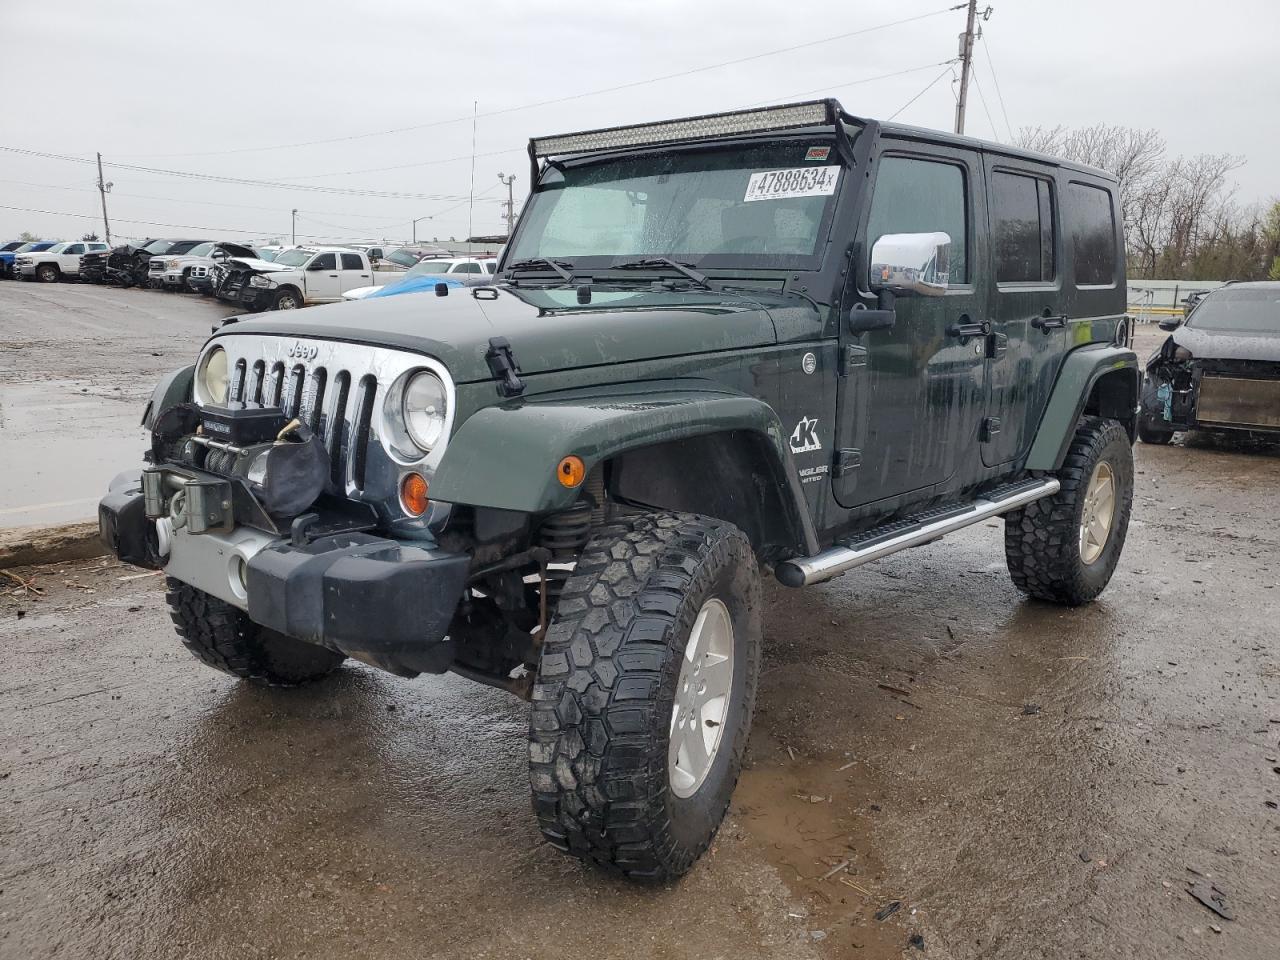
[(238, 181), (156, 223), (947, 69), (840, 86), (201, 203), (565, 99), (986, 49), (981, 96)]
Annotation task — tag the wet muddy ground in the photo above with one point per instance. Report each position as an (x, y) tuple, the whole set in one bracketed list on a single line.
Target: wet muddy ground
[(1022, 781), (77, 364)]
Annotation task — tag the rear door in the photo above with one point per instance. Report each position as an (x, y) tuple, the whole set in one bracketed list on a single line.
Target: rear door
[(1028, 318), (355, 272), (322, 277), (909, 397)]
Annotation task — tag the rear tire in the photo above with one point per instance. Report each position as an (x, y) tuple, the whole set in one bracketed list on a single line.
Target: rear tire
[(615, 685), (223, 637), (1053, 546)]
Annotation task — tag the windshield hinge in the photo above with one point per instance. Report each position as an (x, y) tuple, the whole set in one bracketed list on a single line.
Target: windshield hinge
[(504, 367)]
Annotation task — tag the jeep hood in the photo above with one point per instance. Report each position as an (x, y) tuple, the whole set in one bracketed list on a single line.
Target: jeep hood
[(1224, 345), (547, 329)]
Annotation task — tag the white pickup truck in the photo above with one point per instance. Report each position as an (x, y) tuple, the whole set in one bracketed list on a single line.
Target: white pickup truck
[(299, 277), (59, 261)]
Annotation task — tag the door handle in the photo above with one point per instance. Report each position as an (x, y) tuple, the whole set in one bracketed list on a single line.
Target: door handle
[(333, 276), (1047, 322), (964, 328)]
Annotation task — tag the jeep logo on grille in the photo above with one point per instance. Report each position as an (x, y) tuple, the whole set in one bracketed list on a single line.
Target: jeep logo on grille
[(300, 351)]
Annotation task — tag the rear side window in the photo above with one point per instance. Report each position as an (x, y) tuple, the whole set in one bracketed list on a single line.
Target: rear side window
[(1022, 227), (466, 268), (352, 261), (921, 196), (1091, 224)]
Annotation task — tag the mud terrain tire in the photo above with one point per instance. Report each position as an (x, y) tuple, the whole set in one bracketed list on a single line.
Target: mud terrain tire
[(603, 701), (1042, 541), (223, 637)]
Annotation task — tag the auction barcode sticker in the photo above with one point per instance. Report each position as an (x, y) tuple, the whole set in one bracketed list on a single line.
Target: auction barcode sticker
[(796, 182)]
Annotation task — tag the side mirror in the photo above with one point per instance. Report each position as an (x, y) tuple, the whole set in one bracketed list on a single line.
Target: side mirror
[(316, 265), (1170, 324), (911, 263)]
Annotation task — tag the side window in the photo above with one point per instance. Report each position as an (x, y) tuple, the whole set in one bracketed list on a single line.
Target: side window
[(921, 196), (491, 267), (1090, 222), (75, 248), (466, 268), (1022, 228), (352, 261), (324, 261)]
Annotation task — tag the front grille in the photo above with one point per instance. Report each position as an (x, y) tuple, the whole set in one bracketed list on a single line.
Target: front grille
[(1239, 402), (155, 266), (338, 390)]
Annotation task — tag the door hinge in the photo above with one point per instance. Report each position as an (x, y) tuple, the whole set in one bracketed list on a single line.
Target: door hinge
[(852, 357), (990, 427), (847, 461), (997, 344)]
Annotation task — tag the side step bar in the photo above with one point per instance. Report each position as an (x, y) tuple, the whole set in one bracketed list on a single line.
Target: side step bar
[(911, 532)]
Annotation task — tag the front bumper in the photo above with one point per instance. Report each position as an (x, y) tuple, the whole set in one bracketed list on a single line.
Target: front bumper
[(386, 602), (1241, 398)]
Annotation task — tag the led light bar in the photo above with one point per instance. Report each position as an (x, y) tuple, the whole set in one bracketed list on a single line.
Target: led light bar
[(808, 114)]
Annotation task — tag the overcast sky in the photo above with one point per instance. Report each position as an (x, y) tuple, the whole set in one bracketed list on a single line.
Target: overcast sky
[(202, 87)]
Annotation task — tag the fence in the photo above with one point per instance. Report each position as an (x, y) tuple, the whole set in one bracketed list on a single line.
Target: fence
[(1152, 300)]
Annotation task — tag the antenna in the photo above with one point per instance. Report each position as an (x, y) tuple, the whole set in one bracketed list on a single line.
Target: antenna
[(471, 200)]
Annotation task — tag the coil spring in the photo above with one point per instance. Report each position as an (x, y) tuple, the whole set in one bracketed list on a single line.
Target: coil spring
[(566, 533)]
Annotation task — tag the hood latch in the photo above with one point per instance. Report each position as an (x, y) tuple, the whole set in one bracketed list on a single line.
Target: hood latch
[(504, 367)]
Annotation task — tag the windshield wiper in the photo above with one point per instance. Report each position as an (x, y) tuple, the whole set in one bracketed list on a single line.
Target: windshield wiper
[(561, 268), (683, 269)]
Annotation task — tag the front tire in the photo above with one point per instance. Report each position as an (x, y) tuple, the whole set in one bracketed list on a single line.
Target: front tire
[(223, 637), (286, 299), (644, 694), (47, 273), (1065, 548)]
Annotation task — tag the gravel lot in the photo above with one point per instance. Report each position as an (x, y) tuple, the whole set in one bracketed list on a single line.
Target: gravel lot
[(1028, 782)]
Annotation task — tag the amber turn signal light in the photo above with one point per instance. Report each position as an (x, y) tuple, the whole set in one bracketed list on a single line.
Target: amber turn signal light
[(413, 494), (571, 471)]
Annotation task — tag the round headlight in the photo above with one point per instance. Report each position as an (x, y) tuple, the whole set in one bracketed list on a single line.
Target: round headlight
[(423, 409), (213, 375)]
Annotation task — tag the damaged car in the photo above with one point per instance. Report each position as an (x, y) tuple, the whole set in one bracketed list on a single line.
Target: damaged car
[(785, 339), (191, 271), (1219, 369)]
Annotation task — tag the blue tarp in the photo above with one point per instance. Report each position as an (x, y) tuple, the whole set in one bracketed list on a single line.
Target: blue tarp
[(425, 283)]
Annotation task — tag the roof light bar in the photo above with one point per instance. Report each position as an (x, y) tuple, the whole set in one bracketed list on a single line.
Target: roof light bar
[(808, 114)]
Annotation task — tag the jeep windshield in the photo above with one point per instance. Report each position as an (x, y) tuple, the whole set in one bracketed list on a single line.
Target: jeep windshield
[(1239, 311), (762, 205)]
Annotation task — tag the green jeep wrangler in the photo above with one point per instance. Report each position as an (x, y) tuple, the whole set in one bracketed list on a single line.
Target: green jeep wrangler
[(784, 339)]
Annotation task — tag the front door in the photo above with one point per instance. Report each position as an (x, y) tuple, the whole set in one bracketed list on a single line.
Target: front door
[(910, 396), (1029, 333), (322, 278)]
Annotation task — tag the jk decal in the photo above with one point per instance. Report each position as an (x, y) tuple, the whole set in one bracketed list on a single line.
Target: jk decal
[(804, 439)]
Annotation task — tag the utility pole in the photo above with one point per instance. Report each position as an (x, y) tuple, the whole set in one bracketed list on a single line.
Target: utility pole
[(966, 58), (415, 227), (104, 188), (511, 204), (294, 241)]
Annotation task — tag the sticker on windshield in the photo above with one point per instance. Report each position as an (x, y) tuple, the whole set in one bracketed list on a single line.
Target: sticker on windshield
[(796, 182)]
